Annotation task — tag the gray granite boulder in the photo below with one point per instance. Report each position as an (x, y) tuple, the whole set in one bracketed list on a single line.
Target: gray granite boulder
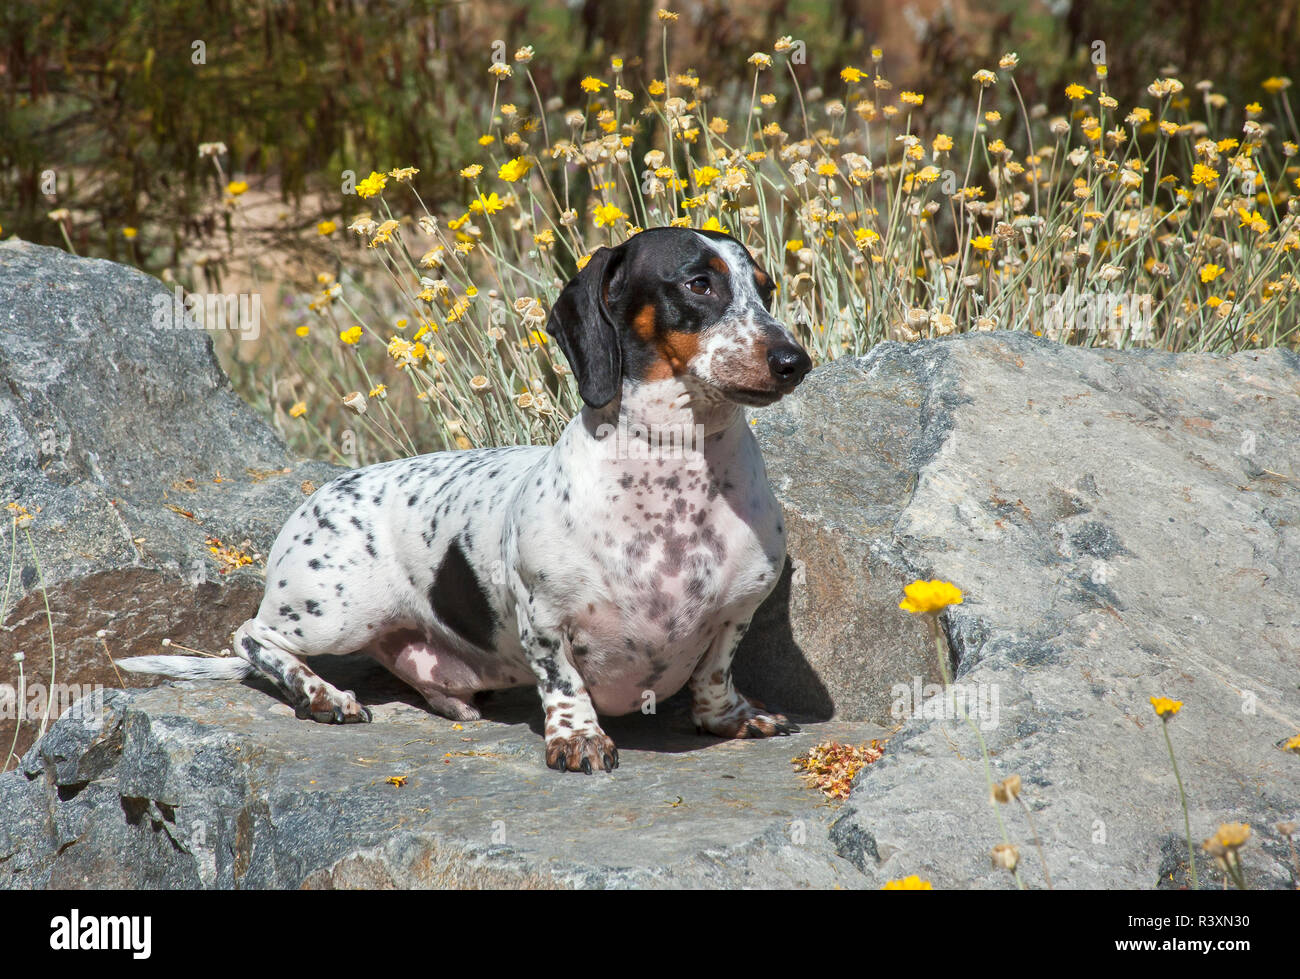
[(129, 441), (1123, 524)]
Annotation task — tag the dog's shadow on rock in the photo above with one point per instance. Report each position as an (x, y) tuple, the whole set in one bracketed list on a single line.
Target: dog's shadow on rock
[(668, 729), (771, 666)]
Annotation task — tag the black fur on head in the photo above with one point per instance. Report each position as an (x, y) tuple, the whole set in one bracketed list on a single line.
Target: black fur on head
[(581, 323)]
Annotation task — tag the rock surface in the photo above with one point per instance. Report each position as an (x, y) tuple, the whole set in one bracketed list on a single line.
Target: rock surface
[(198, 785), (130, 441), (1123, 525)]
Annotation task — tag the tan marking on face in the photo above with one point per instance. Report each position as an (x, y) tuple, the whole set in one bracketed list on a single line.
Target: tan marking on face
[(760, 277), (716, 263), (676, 351), (644, 323)]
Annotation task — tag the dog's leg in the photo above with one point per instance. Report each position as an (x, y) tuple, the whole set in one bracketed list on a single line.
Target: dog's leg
[(413, 660), (574, 739), (717, 707), (309, 695)]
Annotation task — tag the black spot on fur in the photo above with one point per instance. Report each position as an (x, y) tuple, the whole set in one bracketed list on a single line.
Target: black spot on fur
[(459, 601), (553, 681), (313, 608)]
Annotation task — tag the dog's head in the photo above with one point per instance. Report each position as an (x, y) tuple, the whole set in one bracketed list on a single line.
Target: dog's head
[(676, 303)]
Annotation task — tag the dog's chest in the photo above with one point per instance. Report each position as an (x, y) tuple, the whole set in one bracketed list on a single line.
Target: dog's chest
[(681, 550)]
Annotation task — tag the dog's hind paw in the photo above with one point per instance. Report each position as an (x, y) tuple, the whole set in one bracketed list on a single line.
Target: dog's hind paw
[(747, 720), (330, 706)]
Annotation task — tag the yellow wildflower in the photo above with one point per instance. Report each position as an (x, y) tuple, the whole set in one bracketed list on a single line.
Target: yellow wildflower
[(372, 185), (927, 597), (487, 204), (912, 883), (1165, 707), (706, 175), (1228, 837), (865, 238), (1252, 220), (607, 214)]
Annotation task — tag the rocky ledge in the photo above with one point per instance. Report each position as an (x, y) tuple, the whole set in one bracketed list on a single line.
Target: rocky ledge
[(1123, 525)]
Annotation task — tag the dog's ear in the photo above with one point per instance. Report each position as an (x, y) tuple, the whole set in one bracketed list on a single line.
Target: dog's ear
[(581, 323)]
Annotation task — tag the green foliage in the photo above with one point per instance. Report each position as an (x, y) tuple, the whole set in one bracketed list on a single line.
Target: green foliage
[(108, 96)]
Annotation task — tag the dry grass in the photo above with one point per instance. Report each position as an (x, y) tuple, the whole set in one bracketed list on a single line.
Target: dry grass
[(1163, 219)]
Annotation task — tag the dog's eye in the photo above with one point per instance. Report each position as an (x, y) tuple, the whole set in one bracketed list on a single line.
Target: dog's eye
[(699, 285)]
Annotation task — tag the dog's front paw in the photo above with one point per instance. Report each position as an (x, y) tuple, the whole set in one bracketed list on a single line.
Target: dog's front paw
[(587, 753), (747, 719), (330, 706)]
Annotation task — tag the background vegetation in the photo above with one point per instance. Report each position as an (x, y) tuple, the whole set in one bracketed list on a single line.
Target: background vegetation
[(218, 145), (106, 96)]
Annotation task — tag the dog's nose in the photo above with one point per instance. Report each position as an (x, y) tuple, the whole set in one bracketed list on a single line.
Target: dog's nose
[(789, 363)]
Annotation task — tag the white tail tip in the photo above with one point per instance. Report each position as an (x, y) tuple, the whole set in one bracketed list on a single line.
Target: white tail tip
[(189, 667)]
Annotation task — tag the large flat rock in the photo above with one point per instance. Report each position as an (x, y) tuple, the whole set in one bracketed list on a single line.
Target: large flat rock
[(1123, 525), (211, 785)]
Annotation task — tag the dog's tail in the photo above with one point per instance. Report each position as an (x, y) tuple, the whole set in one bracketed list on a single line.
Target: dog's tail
[(189, 667)]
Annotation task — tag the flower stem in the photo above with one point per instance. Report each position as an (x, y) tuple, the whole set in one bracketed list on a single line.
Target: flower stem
[(1182, 797)]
